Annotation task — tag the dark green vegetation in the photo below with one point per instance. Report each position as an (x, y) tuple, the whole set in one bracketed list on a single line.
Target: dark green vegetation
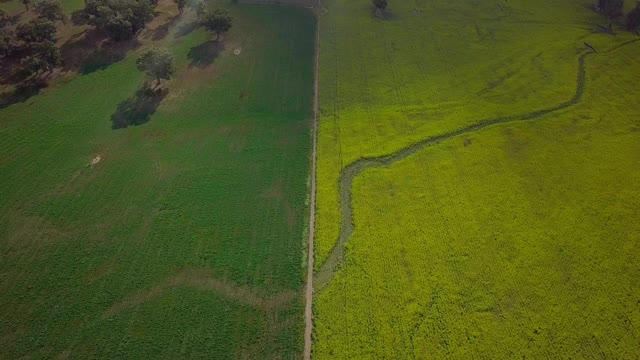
[(218, 22), (157, 63), (138, 225), (121, 19)]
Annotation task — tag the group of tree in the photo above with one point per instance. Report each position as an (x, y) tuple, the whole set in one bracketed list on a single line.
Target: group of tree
[(159, 64), (121, 19), (50, 10), (614, 9), (33, 41), (5, 34)]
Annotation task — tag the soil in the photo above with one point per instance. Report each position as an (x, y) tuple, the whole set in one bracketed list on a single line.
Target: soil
[(96, 160), (308, 311)]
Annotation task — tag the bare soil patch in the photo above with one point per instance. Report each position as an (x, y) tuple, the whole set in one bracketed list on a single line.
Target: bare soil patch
[(96, 159)]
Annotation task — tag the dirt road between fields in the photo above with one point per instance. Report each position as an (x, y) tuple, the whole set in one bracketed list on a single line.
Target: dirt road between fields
[(308, 311)]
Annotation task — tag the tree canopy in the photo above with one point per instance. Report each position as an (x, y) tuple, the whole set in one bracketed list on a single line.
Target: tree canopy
[(38, 47), (121, 19), (181, 4), (45, 56), (200, 8), (37, 30), (5, 19), (50, 10), (5, 33), (157, 63), (218, 22)]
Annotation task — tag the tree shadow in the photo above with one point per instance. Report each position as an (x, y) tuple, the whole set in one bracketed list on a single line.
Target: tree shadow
[(186, 29), (22, 92), (162, 31), (92, 50), (137, 110), (204, 54)]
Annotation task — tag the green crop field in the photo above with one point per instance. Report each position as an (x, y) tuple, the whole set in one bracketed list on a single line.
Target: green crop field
[(166, 229), (478, 183)]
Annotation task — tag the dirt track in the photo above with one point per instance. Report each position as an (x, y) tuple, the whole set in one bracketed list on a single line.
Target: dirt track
[(308, 311)]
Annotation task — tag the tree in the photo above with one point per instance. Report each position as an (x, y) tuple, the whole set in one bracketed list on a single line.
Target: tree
[(50, 10), (633, 18), (51, 55), (199, 7), (218, 22), (181, 4), (157, 63), (26, 4), (5, 19), (381, 6), (48, 53), (612, 9), (36, 31), (40, 52), (5, 34), (121, 19), (45, 57), (32, 65), (6, 42), (201, 10)]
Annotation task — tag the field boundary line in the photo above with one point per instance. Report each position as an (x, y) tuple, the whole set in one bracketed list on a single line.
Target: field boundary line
[(308, 311), (347, 175)]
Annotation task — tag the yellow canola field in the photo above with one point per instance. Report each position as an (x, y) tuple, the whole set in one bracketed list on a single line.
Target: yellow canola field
[(433, 67), (515, 240), (519, 240)]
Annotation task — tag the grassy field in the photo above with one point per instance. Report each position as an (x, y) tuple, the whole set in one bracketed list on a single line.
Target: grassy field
[(517, 240), (181, 237)]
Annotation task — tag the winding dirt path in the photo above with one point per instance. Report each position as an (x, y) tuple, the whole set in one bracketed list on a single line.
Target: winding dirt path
[(336, 257), (308, 310)]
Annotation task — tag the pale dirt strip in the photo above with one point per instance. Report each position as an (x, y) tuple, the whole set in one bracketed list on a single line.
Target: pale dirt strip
[(308, 311)]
